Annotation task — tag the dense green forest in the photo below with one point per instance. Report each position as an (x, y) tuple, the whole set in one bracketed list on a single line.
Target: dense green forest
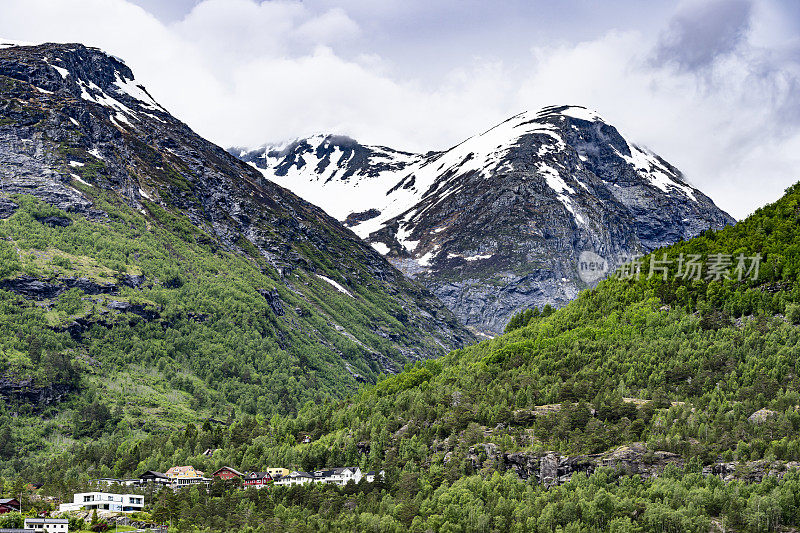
[(680, 365)]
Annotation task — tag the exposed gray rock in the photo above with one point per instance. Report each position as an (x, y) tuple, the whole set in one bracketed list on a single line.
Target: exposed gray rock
[(32, 287), (86, 129), (274, 301), (137, 309), (551, 468), (132, 281), (353, 219), (55, 221), (28, 392), (498, 223), (89, 286), (762, 415), (7, 208), (750, 471), (45, 289)]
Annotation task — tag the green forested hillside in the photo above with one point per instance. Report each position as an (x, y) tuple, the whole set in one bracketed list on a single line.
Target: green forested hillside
[(149, 279), (198, 341), (679, 365)]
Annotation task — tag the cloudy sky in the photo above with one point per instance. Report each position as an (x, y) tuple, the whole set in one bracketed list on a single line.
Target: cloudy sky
[(713, 86)]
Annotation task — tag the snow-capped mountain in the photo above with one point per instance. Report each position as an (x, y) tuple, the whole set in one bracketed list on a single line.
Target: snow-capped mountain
[(332, 171), (497, 223), (79, 133)]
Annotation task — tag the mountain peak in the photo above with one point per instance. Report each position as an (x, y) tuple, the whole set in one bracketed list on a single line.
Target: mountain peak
[(78, 133), (573, 111), (497, 223)]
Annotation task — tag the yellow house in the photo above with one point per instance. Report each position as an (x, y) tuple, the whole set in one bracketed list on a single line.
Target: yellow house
[(275, 473), (185, 475), (183, 471)]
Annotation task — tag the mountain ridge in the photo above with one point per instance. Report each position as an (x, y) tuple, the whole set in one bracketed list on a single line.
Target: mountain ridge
[(234, 272), (498, 222)]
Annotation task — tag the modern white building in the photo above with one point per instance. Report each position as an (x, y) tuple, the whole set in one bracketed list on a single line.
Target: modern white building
[(112, 481), (49, 525), (104, 501)]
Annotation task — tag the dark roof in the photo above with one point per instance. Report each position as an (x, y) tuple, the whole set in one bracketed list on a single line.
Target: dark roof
[(153, 473), (229, 469), (295, 474), (9, 530), (5, 501), (333, 471)]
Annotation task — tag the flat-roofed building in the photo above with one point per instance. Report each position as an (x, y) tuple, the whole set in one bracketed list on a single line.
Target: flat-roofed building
[(49, 525), (104, 501)]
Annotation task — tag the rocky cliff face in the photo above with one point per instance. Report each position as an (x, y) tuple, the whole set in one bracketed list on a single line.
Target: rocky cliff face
[(498, 223), (550, 468), (77, 130)]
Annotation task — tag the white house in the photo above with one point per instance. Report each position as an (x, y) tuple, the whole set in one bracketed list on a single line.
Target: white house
[(59, 525), (295, 478), (104, 501), (338, 476), (370, 476)]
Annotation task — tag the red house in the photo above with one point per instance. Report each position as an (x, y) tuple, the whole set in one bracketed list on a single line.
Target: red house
[(227, 472), (257, 479), (8, 505)]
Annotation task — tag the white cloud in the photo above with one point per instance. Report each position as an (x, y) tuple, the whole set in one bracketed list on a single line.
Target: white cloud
[(242, 72), (724, 127)]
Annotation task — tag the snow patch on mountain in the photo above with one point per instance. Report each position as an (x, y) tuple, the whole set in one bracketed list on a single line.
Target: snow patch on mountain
[(335, 285), (10, 43)]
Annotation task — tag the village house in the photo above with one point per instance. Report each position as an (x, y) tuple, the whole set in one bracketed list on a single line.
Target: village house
[(8, 505), (226, 472), (183, 476), (295, 478), (154, 478), (50, 525), (257, 480), (338, 476), (104, 501), (370, 476), (275, 473)]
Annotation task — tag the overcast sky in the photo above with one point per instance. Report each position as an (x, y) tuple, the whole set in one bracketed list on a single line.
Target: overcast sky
[(712, 86)]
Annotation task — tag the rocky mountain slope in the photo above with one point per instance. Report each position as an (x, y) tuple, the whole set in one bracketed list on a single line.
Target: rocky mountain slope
[(498, 223), (134, 250)]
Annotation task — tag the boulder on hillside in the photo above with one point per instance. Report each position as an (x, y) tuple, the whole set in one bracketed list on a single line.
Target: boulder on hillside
[(762, 415)]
